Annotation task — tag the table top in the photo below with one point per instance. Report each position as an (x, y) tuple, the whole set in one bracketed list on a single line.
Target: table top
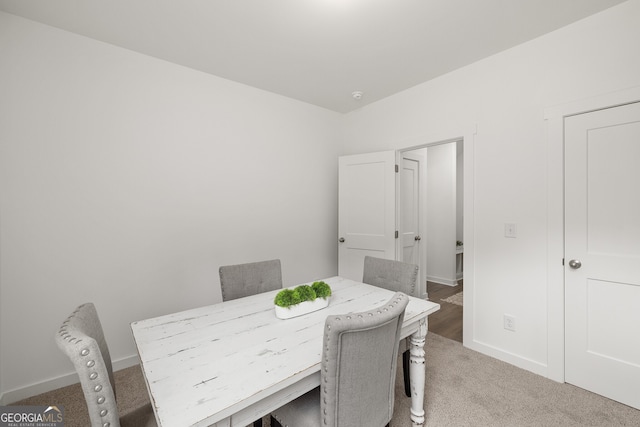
[(206, 364)]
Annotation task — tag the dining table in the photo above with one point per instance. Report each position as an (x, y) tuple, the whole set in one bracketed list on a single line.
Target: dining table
[(231, 363)]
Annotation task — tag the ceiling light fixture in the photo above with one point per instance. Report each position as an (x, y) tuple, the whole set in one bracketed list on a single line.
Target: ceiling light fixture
[(357, 95)]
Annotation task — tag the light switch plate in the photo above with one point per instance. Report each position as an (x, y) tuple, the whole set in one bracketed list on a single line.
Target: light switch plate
[(510, 230)]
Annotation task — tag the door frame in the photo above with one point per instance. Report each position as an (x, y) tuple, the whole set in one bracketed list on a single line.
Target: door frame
[(467, 136), (554, 118)]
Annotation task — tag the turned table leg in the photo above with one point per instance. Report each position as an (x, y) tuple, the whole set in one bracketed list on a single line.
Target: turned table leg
[(417, 373)]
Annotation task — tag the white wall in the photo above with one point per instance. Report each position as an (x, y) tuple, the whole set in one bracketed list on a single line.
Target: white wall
[(441, 213), (127, 181), (505, 96)]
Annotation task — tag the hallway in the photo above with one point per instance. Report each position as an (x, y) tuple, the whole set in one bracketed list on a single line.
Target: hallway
[(446, 322)]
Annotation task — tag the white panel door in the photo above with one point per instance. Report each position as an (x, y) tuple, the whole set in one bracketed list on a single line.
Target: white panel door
[(409, 221), (410, 208), (366, 210), (602, 252)]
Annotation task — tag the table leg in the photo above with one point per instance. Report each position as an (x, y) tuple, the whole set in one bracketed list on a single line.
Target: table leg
[(417, 372)]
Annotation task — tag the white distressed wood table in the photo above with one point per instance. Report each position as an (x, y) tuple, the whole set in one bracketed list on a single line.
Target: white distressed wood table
[(230, 364)]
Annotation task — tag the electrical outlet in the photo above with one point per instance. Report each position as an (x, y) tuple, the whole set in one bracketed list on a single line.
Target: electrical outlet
[(509, 323)]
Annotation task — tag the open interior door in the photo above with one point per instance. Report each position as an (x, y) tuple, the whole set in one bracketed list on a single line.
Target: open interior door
[(366, 210), (411, 187)]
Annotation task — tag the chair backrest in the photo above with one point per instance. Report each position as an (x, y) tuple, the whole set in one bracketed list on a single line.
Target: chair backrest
[(81, 338), (392, 275), (359, 357), (242, 280)]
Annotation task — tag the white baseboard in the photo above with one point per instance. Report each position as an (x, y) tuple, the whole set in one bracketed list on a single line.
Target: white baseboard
[(511, 358), (442, 281), (15, 395)]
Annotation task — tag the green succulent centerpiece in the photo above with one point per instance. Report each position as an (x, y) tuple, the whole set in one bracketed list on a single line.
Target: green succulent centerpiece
[(302, 299), (288, 297)]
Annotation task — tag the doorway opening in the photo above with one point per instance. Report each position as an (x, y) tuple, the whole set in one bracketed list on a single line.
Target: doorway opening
[(431, 223)]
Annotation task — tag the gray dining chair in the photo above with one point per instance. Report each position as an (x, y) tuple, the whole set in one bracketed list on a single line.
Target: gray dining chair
[(357, 373), (81, 338), (242, 280), (394, 276)]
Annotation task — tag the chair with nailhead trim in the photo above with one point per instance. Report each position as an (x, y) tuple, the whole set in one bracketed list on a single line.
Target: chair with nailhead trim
[(358, 369), (398, 277), (81, 338)]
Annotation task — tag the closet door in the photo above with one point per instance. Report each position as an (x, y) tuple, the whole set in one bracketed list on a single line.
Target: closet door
[(602, 252)]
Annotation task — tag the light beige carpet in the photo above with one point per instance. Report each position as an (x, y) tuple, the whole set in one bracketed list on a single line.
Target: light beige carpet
[(466, 388), (463, 388), (454, 299)]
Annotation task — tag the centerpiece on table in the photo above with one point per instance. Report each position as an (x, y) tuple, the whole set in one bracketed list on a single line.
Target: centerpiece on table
[(301, 300)]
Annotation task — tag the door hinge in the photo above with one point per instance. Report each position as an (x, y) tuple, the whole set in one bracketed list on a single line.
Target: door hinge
[(396, 234), (397, 169)]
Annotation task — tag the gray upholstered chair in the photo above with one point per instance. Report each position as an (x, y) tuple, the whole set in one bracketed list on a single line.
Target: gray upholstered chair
[(81, 338), (242, 280), (358, 369), (395, 276)]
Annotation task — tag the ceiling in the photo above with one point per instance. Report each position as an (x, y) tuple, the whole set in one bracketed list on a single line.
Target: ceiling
[(316, 51)]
